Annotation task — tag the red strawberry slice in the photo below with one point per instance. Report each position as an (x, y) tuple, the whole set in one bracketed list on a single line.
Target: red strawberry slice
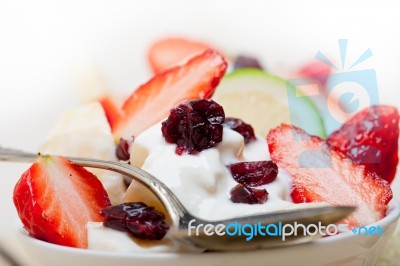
[(169, 52), (152, 101), (55, 199), (111, 109), (370, 139), (322, 175)]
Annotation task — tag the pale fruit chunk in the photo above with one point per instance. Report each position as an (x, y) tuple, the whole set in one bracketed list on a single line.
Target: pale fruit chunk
[(106, 239), (201, 174), (84, 132)]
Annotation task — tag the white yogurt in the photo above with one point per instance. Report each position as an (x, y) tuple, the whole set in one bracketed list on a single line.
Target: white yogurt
[(202, 182)]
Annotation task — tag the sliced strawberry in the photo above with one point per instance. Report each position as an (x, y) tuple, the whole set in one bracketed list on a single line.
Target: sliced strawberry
[(111, 109), (151, 102), (169, 52), (317, 71), (320, 175), (370, 139), (55, 199)]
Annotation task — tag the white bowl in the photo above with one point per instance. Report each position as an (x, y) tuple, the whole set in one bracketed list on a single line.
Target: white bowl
[(343, 249)]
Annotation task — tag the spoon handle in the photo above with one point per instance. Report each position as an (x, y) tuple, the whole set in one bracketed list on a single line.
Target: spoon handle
[(171, 203)]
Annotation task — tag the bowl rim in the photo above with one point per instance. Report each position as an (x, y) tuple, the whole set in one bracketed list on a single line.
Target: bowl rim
[(393, 214)]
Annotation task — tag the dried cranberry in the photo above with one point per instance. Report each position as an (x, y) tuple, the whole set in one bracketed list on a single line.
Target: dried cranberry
[(122, 151), (249, 195), (243, 61), (194, 126), (136, 218), (241, 127), (254, 173)]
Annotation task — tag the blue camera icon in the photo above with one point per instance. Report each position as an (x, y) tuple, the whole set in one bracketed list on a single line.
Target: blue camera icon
[(344, 94)]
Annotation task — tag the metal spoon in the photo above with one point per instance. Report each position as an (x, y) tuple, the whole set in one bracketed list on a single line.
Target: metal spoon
[(181, 218), (6, 259)]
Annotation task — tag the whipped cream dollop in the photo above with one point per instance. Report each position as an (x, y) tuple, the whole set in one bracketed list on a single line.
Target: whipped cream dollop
[(202, 182)]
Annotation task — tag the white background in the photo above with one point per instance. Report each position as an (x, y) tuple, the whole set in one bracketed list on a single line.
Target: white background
[(44, 44)]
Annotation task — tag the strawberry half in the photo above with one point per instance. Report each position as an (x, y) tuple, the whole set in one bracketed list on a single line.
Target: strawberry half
[(55, 199), (322, 175), (370, 139), (169, 52), (152, 101)]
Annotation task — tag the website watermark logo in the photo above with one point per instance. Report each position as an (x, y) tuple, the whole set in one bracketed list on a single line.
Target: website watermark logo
[(348, 90), (371, 230), (280, 230)]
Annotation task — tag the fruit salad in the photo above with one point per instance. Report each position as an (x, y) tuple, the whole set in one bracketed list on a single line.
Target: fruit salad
[(227, 144)]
